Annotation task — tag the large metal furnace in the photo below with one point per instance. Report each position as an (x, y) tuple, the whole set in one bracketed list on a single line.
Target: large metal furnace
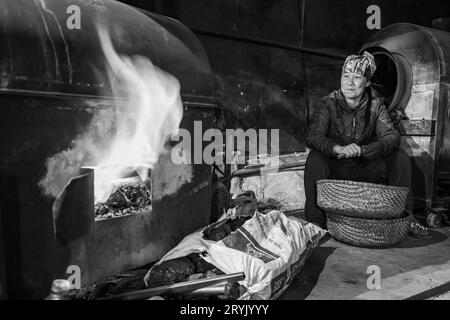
[(54, 82), (413, 76)]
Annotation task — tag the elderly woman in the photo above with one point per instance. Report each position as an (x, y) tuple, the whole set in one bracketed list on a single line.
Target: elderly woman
[(352, 137)]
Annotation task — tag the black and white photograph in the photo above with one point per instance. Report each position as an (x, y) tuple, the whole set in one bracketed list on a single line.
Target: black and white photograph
[(224, 156)]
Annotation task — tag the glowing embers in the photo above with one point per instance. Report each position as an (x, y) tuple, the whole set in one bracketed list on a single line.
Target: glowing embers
[(130, 196)]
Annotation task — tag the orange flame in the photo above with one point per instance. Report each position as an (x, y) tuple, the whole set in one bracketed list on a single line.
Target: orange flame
[(149, 114)]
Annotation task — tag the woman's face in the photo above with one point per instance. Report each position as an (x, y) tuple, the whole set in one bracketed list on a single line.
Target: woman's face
[(353, 85)]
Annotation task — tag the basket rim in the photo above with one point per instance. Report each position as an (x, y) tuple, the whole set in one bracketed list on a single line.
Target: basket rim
[(361, 184), (367, 214), (405, 215)]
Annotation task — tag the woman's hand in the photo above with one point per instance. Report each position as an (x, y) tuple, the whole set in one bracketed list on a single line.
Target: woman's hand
[(350, 151)]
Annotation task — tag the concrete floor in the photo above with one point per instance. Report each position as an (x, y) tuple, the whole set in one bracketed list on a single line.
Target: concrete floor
[(338, 271)]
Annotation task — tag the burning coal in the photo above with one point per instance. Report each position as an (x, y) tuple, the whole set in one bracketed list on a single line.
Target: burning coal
[(128, 138), (130, 196)]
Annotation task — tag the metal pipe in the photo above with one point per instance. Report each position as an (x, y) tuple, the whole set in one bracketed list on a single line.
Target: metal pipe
[(226, 291), (218, 290), (302, 31), (263, 170), (104, 101), (181, 287), (267, 43)]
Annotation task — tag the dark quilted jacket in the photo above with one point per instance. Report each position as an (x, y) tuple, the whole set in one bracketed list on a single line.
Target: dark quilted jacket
[(336, 123)]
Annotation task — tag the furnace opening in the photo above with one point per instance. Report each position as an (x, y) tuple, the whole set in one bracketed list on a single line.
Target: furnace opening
[(129, 195), (392, 79), (384, 81)]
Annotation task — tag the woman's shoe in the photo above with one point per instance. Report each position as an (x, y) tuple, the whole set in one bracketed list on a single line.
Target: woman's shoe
[(418, 230)]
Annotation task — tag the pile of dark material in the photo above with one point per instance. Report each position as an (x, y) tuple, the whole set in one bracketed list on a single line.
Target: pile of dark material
[(179, 269), (129, 281), (126, 199), (218, 231)]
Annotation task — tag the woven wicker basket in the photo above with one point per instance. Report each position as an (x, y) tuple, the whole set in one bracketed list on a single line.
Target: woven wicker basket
[(361, 199), (368, 233)]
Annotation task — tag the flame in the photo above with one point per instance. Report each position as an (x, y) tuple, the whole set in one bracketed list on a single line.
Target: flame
[(149, 110)]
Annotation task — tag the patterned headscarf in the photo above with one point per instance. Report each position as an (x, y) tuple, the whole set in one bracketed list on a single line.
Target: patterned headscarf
[(363, 65)]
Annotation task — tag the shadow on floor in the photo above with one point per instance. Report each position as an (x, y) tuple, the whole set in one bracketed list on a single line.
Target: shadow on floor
[(410, 242), (306, 280)]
